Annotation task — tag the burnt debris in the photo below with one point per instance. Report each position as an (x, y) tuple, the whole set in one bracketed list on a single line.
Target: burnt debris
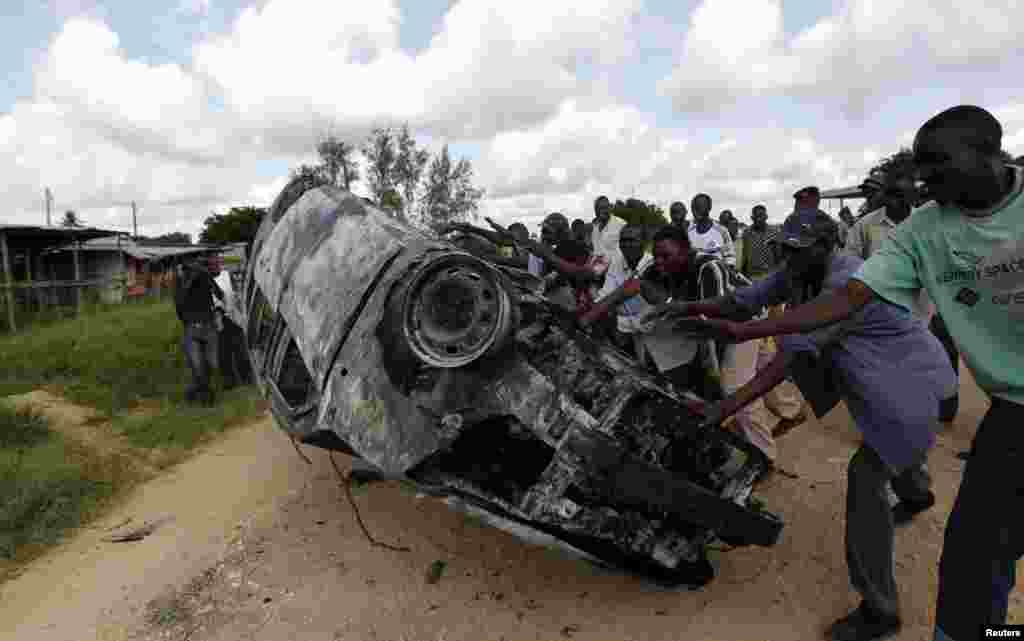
[(441, 368)]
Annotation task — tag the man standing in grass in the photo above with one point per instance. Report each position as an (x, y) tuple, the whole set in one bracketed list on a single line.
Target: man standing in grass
[(193, 302)]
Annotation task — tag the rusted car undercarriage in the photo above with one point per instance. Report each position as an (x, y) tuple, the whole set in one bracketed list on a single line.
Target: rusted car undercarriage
[(445, 370)]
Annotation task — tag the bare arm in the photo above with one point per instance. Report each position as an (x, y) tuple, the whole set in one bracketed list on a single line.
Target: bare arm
[(824, 310)]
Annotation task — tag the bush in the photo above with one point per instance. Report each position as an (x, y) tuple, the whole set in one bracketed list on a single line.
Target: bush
[(35, 512), (21, 429)]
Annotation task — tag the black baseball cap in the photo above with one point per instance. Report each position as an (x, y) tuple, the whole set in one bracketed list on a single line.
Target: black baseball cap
[(802, 230), (810, 190)]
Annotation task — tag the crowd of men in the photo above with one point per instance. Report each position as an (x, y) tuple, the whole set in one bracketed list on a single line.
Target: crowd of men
[(859, 310)]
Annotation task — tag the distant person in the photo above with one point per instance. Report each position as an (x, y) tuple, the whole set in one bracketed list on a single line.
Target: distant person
[(193, 300), (707, 236), (579, 230), (633, 262), (846, 223), (728, 220), (759, 259), (677, 215), (231, 353), (604, 239)]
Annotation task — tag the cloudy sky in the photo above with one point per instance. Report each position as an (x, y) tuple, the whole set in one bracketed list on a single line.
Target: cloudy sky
[(192, 106)]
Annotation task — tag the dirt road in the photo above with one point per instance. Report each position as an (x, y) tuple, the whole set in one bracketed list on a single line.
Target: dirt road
[(263, 546)]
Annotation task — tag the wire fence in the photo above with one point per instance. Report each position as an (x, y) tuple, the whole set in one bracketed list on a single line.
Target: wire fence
[(25, 304)]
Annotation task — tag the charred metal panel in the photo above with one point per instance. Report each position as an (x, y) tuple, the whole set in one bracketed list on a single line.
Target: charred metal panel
[(461, 376)]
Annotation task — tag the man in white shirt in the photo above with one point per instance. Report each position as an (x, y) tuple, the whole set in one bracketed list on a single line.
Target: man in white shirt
[(631, 263), (604, 241), (707, 236)]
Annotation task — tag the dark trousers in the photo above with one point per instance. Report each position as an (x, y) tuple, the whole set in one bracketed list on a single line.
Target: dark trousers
[(869, 524), (949, 407), (200, 346), (985, 532), (234, 362)]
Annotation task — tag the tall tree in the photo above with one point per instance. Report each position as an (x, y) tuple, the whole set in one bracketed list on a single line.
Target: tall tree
[(449, 194), (71, 219), (379, 152), (239, 225), (338, 162), (410, 163)]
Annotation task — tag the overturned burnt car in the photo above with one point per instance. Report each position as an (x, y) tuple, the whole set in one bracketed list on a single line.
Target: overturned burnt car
[(440, 368)]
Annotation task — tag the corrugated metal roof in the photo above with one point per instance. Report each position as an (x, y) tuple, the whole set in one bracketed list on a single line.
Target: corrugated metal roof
[(53, 234), (140, 251)]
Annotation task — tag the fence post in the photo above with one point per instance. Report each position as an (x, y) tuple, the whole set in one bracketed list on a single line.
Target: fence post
[(8, 281), (78, 277)]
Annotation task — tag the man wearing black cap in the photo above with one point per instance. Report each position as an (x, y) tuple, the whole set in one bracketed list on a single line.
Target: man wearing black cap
[(894, 408), (966, 249), (807, 199)]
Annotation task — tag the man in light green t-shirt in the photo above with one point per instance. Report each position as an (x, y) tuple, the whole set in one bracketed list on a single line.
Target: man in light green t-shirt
[(966, 249)]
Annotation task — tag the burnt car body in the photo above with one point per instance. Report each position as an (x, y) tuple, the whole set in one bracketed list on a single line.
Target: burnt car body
[(443, 369)]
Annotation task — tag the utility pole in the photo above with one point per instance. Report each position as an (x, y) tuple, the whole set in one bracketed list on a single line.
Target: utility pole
[(49, 205), (135, 224)]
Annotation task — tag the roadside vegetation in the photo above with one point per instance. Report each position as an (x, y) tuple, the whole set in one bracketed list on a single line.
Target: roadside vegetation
[(125, 363)]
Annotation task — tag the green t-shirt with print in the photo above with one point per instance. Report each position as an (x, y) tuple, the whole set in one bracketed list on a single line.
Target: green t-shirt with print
[(972, 266)]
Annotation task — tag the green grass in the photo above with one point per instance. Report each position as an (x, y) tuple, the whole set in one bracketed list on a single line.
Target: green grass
[(115, 360), (181, 426), (46, 484), (110, 358)]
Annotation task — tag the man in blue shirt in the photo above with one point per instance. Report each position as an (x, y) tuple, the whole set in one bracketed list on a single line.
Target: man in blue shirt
[(896, 409), (966, 249)]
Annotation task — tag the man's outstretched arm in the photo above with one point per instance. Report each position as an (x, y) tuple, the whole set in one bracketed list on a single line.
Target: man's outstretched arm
[(765, 381), (824, 310), (821, 312)]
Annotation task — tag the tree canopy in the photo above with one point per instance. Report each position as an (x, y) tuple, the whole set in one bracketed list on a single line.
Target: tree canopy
[(639, 212), (238, 225)]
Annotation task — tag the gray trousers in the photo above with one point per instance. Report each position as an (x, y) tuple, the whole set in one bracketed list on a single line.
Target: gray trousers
[(199, 343), (870, 531)]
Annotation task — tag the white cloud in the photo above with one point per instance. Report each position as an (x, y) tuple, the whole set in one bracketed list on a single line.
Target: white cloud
[(566, 162), (493, 66), (866, 48)]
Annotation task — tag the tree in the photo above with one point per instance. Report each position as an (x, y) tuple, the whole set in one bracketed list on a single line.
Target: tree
[(314, 174), (449, 194), (410, 162), (380, 155), (337, 162), (239, 225), (173, 238), (639, 212), (71, 219)]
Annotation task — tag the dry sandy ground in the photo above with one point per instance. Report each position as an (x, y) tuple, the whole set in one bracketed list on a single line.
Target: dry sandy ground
[(263, 546)]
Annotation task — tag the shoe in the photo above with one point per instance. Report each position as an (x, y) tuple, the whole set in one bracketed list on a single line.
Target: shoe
[(863, 625), (905, 511)]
